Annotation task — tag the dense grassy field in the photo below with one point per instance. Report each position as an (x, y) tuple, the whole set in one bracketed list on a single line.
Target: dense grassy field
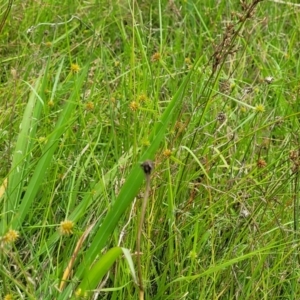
[(208, 91)]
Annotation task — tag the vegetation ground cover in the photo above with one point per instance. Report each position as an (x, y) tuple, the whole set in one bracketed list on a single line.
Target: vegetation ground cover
[(208, 91)]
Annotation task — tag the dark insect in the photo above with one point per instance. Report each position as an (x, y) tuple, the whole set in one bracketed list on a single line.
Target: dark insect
[(147, 166)]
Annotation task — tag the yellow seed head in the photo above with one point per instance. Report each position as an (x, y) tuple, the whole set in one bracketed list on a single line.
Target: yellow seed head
[(187, 60), (11, 236), (42, 139), (51, 103), (193, 255), (75, 68), (90, 106), (145, 142), (156, 57), (167, 153), (134, 106), (142, 97), (79, 293), (260, 108), (66, 227), (8, 297)]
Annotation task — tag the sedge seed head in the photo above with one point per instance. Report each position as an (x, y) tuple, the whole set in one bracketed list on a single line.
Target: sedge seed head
[(293, 155), (79, 293), (75, 68), (167, 153), (261, 163), (187, 60), (145, 142), (221, 117), (42, 139), (134, 106), (90, 106), (51, 103), (11, 236), (180, 126), (66, 227), (142, 98), (193, 255), (156, 57), (260, 108)]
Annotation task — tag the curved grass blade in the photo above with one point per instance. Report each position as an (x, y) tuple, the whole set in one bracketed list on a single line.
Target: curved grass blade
[(20, 161), (95, 274)]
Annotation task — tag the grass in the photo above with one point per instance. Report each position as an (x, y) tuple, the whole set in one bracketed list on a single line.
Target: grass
[(208, 92)]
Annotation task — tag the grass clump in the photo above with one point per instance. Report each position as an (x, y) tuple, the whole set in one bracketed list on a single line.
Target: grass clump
[(208, 93)]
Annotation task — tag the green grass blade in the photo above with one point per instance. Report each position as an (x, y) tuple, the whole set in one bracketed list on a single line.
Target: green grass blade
[(94, 275), (134, 179), (128, 257), (44, 162), (22, 151)]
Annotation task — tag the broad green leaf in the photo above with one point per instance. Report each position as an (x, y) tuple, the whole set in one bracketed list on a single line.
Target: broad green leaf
[(94, 275)]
